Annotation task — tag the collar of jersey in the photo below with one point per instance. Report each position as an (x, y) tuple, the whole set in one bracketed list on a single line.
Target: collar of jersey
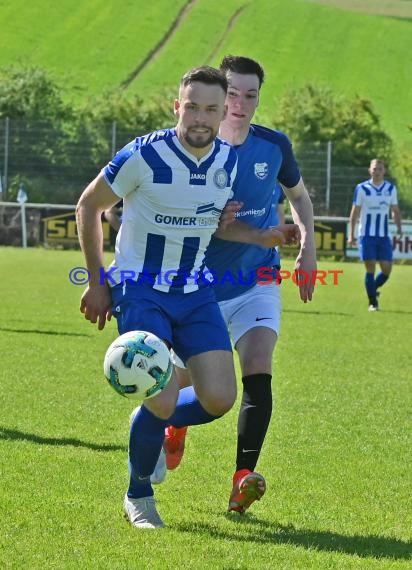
[(378, 188), (248, 142), (186, 157)]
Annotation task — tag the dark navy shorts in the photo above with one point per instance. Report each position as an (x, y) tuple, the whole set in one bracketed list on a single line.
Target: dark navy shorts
[(375, 248), (191, 323)]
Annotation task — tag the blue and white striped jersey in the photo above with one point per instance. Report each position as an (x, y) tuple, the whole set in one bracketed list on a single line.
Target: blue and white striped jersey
[(375, 206), (265, 157), (171, 206)]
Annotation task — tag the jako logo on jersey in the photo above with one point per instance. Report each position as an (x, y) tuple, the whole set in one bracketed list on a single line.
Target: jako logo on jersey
[(261, 170), (220, 178), (194, 176)]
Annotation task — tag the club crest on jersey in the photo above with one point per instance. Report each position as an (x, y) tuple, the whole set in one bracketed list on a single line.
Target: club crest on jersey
[(261, 170), (220, 178)]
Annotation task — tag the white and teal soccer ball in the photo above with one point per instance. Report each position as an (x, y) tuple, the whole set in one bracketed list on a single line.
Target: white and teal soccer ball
[(137, 365)]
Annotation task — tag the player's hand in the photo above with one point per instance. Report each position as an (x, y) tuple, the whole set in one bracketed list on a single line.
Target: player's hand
[(228, 214), (291, 233), (305, 268), (271, 237), (351, 242), (95, 304)]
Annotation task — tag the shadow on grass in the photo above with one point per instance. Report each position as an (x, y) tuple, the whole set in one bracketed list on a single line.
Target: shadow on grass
[(247, 531), (395, 312), (38, 331), (321, 313), (407, 19), (16, 435)]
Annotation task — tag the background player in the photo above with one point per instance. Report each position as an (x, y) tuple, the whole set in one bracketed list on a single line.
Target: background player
[(373, 201)]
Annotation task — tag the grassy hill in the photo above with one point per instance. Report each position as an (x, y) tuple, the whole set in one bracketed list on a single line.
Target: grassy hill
[(144, 46), (92, 45), (305, 42), (396, 8)]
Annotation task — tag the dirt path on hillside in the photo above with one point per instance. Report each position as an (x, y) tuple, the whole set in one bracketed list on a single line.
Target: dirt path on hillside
[(160, 45), (154, 52), (229, 26)]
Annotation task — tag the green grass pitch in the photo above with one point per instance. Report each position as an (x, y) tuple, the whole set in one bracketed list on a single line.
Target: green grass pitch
[(336, 458)]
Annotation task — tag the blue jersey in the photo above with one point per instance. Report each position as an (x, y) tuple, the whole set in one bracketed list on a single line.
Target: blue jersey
[(171, 206), (375, 204), (265, 157), (278, 198)]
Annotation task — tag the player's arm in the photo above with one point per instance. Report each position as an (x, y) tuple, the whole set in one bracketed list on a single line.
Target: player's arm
[(302, 212), (96, 198), (113, 217), (244, 233), (269, 237), (231, 229), (280, 206), (396, 216), (353, 220), (281, 213)]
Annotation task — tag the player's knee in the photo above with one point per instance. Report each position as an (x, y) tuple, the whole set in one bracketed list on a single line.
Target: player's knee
[(161, 406), (220, 404), (257, 391), (257, 364), (182, 377)]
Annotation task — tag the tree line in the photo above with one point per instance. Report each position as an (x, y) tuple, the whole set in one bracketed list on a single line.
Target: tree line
[(31, 98)]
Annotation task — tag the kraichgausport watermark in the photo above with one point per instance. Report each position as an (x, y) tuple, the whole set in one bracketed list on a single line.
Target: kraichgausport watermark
[(79, 275), (261, 276)]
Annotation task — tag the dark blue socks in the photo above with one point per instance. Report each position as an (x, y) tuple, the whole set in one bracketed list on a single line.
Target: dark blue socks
[(370, 286), (189, 411), (147, 435), (373, 284), (146, 439), (381, 279)]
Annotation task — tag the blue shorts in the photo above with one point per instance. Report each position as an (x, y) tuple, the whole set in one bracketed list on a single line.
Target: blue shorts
[(191, 323), (375, 248)]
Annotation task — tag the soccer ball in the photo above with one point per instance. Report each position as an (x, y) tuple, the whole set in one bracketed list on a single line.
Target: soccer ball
[(137, 365)]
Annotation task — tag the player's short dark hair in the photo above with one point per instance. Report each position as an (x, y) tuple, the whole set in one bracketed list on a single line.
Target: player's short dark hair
[(205, 74), (242, 65), (378, 160)]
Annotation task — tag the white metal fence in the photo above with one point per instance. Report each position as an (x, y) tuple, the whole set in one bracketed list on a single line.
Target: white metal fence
[(54, 225), (54, 167)]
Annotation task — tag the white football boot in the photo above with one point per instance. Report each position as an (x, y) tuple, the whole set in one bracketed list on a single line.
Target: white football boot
[(142, 513)]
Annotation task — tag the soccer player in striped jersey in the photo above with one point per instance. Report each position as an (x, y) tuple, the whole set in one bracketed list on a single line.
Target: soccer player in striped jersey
[(251, 309), (174, 184), (374, 200)]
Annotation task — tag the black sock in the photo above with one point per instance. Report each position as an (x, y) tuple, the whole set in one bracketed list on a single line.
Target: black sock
[(254, 417)]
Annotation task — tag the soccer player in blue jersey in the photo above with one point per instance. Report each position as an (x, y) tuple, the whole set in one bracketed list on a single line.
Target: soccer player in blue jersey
[(174, 184), (251, 307), (373, 201)]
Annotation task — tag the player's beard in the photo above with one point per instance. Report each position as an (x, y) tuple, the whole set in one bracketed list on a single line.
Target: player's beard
[(198, 140)]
